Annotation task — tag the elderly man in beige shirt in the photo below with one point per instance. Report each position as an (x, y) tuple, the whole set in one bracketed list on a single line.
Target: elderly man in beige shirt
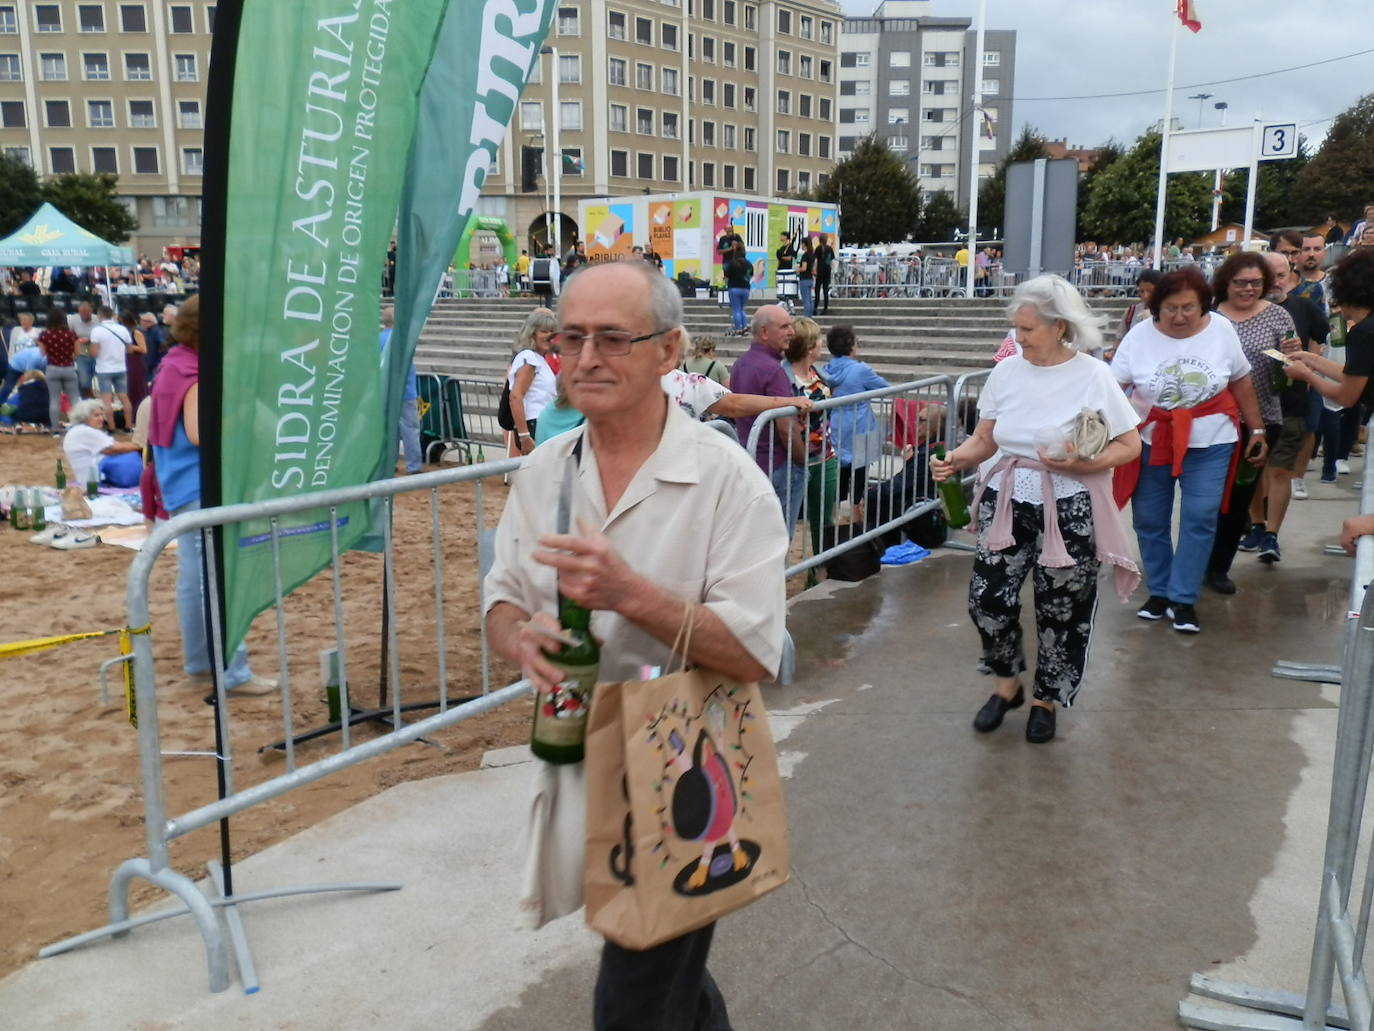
[(668, 514)]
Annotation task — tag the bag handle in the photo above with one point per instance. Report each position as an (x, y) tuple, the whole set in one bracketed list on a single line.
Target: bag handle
[(682, 643)]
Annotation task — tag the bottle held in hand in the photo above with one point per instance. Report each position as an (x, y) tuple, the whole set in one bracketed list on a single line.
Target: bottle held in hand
[(952, 496), (559, 733)]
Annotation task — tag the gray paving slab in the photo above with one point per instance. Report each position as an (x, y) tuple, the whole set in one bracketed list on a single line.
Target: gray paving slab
[(943, 880)]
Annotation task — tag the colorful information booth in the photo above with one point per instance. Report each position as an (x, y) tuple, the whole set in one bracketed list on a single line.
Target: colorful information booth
[(683, 229)]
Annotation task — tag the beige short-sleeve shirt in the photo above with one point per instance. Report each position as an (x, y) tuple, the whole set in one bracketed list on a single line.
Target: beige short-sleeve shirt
[(699, 519)]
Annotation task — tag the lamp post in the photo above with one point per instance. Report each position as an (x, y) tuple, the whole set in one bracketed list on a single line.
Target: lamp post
[(556, 154), (1220, 177), (974, 139), (1200, 97)]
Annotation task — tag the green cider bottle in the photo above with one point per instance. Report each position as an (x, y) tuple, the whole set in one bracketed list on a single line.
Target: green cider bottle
[(1281, 380), (952, 495), (61, 478), (559, 732)]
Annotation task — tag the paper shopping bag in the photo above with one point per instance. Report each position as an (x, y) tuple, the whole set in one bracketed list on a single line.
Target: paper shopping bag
[(685, 815)]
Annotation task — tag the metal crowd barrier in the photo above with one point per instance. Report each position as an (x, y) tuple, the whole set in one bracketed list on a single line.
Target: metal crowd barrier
[(475, 283), (277, 518), (459, 412), (1344, 903)]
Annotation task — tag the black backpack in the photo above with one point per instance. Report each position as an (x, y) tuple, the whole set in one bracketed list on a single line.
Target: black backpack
[(505, 418)]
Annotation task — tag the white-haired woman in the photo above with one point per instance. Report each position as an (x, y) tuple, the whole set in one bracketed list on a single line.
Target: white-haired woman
[(85, 443), (1042, 508), (533, 382)]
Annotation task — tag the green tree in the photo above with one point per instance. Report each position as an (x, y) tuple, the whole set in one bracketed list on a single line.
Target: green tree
[(1276, 194), (1107, 155), (1337, 179), (881, 197), (1121, 208), (992, 195), (88, 199), (20, 193), (940, 216)]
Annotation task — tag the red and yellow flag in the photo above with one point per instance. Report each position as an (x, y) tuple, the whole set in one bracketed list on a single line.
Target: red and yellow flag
[(1187, 14)]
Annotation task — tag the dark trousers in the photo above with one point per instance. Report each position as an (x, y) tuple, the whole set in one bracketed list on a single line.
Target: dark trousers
[(853, 482), (1235, 521), (665, 988), (822, 290)]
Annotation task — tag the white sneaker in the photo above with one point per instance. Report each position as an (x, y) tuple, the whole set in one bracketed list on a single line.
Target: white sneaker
[(1300, 489), (74, 541), (254, 685), (49, 535), (1342, 467)]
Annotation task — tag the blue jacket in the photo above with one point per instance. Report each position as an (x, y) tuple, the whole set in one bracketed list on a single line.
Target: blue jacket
[(853, 429)]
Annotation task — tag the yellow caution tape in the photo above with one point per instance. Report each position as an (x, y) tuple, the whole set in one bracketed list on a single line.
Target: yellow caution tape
[(126, 647)]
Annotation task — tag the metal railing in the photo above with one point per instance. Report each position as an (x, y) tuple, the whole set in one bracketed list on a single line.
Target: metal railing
[(278, 519), (1344, 902)]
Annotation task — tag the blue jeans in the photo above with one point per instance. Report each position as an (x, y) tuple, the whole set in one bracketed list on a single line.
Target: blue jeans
[(85, 373), (808, 300), (789, 481), (738, 297), (195, 642), (1175, 572), (410, 434)]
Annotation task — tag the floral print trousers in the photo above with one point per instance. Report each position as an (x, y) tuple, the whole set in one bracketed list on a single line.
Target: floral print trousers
[(1065, 599)]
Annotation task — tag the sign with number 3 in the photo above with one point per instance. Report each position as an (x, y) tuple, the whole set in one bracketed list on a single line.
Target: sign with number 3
[(1279, 141)]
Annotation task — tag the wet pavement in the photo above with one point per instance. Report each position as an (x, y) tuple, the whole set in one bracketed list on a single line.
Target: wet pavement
[(942, 879)]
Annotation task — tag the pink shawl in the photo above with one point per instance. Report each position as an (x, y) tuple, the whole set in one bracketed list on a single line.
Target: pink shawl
[(1109, 536), (177, 373)]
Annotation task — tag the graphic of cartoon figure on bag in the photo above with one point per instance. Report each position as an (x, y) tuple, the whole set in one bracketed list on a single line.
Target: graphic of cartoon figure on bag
[(705, 803)]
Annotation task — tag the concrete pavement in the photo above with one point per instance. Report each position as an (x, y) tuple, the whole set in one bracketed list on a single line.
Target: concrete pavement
[(943, 880)]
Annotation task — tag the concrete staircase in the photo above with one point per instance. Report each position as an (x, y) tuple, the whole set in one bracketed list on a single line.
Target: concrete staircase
[(902, 338)]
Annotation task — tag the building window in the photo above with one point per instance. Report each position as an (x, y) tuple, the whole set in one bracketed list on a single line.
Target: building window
[(727, 54), (137, 68), (57, 114), (192, 161), (569, 23), (749, 179), (932, 88), (749, 104), (784, 62), (669, 34), (898, 115), (615, 24), (708, 49), (617, 71), (785, 21), (992, 58), (804, 105), (784, 102), (899, 59), (861, 60), (783, 180), (933, 114), (532, 115), (670, 168), (804, 144), (620, 164), (670, 125), (992, 86), (12, 115), (822, 146), (825, 109), (644, 32), (727, 12), (898, 143), (708, 10), (727, 177), (572, 161), (708, 173), (570, 115), (645, 166), (803, 181), (804, 66), (899, 88), (20, 154), (825, 67), (186, 68), (188, 114), (52, 67), (141, 115), (100, 114), (750, 59), (47, 17), (9, 25), (932, 143), (644, 121), (91, 17), (96, 66), (182, 22), (569, 68), (620, 118), (784, 141), (644, 77), (210, 22), (708, 91), (804, 26), (668, 80), (708, 134), (105, 160), (827, 32), (10, 68), (172, 211), (751, 17), (727, 137), (132, 18), (145, 161), (749, 138), (61, 160), (727, 94)]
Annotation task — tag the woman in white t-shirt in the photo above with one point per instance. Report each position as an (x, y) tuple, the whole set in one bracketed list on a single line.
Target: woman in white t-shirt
[(85, 443), (1042, 508), (1190, 381), (23, 335), (532, 380)]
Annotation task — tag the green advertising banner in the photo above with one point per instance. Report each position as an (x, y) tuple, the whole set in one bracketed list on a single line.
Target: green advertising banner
[(486, 53), (306, 179)]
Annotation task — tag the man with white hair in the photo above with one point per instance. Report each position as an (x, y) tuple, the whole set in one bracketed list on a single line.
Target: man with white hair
[(671, 520)]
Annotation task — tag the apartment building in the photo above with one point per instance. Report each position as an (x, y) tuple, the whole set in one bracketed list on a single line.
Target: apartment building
[(112, 86), (658, 96), (908, 76)]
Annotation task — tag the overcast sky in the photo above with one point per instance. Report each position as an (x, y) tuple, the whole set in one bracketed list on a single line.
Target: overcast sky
[(1071, 48)]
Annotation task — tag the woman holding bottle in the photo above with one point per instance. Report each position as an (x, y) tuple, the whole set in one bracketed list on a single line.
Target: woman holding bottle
[(1041, 509)]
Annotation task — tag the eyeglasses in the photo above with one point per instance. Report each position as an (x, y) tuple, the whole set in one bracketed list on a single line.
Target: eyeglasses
[(610, 342), (1247, 284), (1172, 310)]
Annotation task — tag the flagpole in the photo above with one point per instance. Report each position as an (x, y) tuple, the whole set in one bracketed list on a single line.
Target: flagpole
[(975, 137), (1158, 260)]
